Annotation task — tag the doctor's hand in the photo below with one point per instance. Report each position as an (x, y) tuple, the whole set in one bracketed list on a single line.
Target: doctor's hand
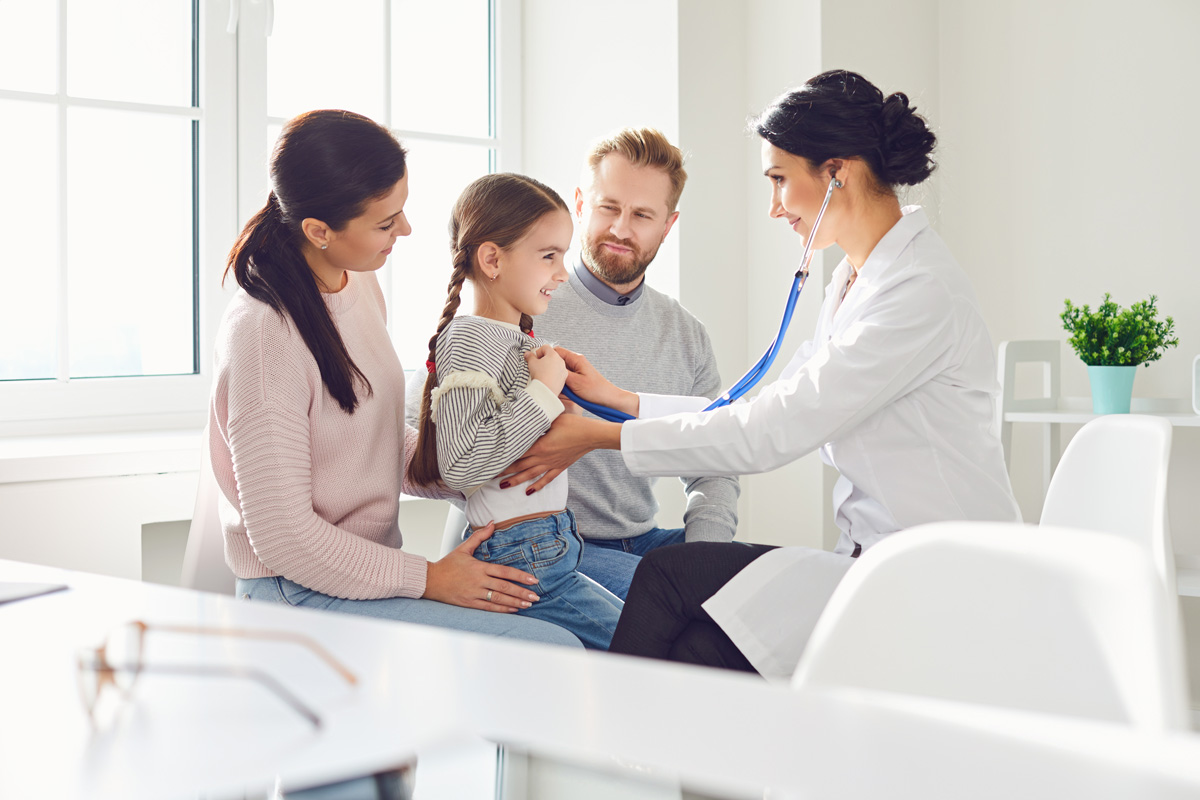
[(587, 382), (569, 438), (460, 579)]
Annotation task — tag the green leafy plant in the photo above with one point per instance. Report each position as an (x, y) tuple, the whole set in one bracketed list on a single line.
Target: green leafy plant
[(1114, 337)]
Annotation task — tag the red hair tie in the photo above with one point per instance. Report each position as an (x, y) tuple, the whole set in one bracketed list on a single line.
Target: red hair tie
[(429, 367), (530, 331)]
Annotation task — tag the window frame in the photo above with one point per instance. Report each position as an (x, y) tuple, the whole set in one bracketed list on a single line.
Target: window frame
[(229, 191), (139, 402)]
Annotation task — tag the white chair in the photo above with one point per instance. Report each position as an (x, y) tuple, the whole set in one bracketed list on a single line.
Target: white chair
[(204, 565), (1113, 478), (456, 523), (1040, 619)]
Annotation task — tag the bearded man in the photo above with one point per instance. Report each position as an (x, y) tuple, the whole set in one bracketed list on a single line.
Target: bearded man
[(640, 339)]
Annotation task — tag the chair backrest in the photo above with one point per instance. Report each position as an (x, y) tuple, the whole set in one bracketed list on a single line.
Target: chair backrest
[(456, 523), (1113, 478), (1034, 618), (204, 566)]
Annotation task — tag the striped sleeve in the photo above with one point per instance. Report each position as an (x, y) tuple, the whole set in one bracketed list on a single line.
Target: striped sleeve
[(487, 411)]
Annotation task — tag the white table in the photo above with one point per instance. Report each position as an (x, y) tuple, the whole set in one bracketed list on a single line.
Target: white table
[(718, 732)]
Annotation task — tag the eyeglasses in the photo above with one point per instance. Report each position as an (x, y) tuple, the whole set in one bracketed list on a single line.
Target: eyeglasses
[(118, 663)]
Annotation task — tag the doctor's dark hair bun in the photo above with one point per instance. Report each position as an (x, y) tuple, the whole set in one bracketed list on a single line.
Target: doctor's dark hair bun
[(841, 114)]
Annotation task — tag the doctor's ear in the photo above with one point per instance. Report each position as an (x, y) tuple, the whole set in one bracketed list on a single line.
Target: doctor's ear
[(835, 169)]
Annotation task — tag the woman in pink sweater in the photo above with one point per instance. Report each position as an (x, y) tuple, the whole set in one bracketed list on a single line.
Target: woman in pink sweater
[(306, 425)]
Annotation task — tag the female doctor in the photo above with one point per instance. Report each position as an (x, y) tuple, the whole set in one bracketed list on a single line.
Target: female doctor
[(895, 389)]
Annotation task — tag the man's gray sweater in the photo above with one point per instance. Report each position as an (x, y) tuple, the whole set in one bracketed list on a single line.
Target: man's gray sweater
[(652, 344)]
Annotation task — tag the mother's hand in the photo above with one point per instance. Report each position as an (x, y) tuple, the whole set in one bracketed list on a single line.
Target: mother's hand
[(569, 438), (460, 579)]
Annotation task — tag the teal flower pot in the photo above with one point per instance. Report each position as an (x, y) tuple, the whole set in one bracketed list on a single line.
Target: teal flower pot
[(1112, 389)]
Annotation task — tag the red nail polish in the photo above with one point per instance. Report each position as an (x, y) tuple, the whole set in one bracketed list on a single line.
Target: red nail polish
[(529, 491), (504, 485)]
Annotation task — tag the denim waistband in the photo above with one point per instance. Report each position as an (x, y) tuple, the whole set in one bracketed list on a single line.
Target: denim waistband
[(563, 520)]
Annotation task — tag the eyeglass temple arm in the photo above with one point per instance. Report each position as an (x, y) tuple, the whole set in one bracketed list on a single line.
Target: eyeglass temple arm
[(203, 670), (267, 635)]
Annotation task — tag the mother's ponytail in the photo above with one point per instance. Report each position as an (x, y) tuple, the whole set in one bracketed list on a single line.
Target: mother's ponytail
[(327, 165)]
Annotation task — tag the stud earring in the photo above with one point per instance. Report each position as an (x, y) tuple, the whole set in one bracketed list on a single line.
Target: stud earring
[(497, 275), (324, 247)]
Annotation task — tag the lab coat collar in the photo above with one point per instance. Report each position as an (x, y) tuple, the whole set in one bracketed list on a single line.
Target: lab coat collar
[(886, 253), (889, 248)]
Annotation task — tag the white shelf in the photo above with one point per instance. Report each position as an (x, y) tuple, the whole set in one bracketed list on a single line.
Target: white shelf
[(44, 458), (1078, 410)]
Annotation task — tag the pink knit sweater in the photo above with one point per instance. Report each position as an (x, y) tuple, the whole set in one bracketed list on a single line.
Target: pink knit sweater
[(311, 492)]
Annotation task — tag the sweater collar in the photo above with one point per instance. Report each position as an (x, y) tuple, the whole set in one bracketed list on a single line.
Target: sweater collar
[(342, 301), (602, 290)]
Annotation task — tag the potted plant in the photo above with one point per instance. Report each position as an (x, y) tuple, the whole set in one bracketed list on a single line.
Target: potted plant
[(1112, 341)]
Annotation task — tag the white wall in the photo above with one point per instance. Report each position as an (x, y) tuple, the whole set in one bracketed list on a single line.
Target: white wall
[(589, 68), (1069, 170), (783, 49), (93, 524)]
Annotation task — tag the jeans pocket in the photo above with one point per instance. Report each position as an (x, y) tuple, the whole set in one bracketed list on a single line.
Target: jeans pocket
[(506, 554), (547, 550), (291, 592)]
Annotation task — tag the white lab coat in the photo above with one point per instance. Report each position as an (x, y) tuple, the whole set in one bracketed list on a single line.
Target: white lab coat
[(896, 389)]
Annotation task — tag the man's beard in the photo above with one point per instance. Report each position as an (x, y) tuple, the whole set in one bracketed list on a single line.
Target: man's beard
[(616, 269)]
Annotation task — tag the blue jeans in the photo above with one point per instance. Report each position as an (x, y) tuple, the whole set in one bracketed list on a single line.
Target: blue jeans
[(611, 562), (549, 548), (407, 609)]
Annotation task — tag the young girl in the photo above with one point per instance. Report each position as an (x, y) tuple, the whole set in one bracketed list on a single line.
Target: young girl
[(493, 390), (306, 423)]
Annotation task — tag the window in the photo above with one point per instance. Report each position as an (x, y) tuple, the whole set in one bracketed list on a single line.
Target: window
[(136, 135), (425, 70)]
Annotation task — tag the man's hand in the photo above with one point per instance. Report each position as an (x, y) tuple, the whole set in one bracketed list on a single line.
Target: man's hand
[(587, 382), (460, 579), (569, 438)]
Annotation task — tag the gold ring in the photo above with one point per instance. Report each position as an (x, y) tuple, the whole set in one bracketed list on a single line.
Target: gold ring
[(489, 596)]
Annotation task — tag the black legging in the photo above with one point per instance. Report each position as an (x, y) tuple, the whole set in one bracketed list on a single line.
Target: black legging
[(662, 616)]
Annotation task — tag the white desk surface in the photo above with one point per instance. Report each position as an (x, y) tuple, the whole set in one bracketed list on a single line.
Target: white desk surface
[(718, 732)]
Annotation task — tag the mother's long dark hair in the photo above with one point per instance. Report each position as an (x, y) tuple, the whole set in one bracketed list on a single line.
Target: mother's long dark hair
[(327, 165)]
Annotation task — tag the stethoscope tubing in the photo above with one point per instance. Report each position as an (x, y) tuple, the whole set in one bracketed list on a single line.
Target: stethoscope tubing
[(756, 373)]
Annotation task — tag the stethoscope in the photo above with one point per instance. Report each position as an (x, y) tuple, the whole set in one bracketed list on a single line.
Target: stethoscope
[(755, 373)]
